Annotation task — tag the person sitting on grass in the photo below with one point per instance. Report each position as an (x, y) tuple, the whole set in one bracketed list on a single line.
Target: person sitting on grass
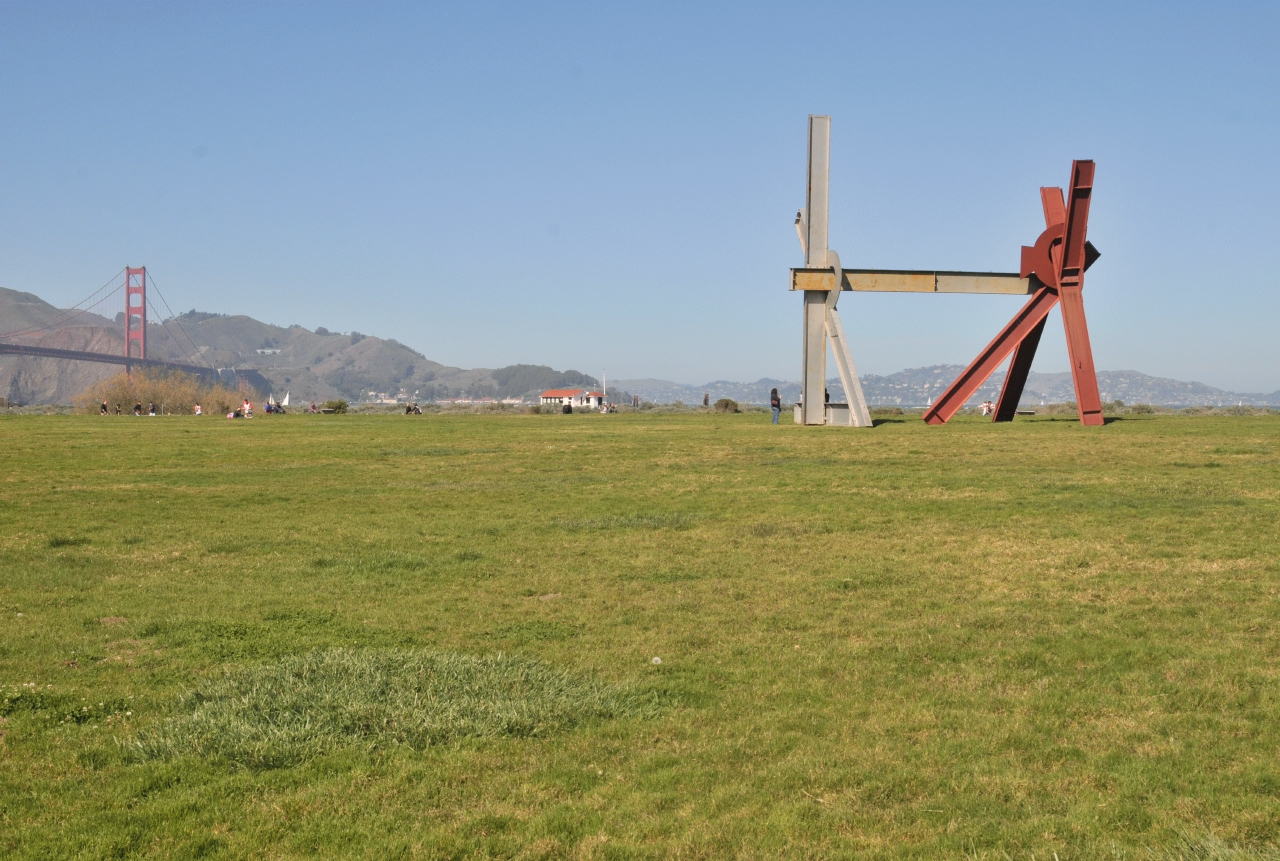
[(197, 411), (104, 410), (151, 409), (137, 408)]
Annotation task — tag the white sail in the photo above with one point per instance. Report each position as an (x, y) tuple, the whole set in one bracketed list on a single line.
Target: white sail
[(270, 400), (285, 402)]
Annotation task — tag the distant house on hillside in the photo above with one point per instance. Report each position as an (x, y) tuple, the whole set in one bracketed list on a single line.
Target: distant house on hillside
[(573, 397)]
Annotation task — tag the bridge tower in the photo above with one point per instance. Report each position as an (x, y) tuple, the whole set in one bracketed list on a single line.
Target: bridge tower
[(135, 309)]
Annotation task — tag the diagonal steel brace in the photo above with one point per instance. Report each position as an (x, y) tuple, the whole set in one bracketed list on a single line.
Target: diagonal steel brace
[(1057, 262)]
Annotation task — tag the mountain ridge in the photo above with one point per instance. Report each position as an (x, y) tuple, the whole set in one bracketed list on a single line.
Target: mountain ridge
[(916, 387), (311, 365), (322, 365)]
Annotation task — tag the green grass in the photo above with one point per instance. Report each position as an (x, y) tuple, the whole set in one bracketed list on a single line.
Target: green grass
[(433, 637), (292, 710)]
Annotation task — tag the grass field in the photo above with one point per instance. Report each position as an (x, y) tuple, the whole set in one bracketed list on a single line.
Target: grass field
[(434, 637)]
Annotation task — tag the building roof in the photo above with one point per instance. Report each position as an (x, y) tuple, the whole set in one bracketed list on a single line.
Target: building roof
[(571, 393)]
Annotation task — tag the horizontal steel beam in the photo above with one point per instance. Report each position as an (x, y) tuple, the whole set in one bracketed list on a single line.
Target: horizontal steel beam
[(914, 281)]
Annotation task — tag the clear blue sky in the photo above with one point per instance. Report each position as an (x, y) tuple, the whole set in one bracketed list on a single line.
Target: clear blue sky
[(612, 186)]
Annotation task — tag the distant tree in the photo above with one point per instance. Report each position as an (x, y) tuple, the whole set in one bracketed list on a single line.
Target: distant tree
[(403, 347), (516, 380), (356, 337), (194, 316)]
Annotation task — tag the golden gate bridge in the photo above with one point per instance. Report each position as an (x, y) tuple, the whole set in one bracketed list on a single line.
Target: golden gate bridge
[(134, 284)]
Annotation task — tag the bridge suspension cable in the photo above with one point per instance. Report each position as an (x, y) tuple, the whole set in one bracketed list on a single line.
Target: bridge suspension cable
[(67, 315), (98, 298), (196, 357)]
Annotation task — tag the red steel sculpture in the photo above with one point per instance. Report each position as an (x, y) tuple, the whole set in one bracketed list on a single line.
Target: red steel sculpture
[(1056, 263)]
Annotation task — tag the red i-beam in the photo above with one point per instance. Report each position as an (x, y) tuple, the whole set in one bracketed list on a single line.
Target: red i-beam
[(135, 309), (1057, 263)]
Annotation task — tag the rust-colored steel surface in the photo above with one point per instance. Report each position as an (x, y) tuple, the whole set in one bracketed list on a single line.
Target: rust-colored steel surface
[(135, 285), (1029, 319), (1076, 259), (1016, 377), (1057, 262)]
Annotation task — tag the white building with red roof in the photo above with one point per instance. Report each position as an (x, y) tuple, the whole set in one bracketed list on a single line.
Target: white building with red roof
[(574, 397)]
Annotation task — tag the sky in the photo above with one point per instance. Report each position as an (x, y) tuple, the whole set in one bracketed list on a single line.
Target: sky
[(612, 187)]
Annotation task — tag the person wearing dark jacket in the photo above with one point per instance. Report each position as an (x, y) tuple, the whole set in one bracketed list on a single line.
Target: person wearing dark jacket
[(775, 403)]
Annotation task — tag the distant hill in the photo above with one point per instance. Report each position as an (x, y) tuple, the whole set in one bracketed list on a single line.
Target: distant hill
[(31, 320), (916, 387), (321, 365), (666, 392), (318, 365)]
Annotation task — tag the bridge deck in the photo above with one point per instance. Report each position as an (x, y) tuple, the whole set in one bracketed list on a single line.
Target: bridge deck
[(108, 358)]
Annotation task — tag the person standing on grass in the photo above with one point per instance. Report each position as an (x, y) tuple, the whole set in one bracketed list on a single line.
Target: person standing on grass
[(137, 408), (151, 408), (775, 404), (117, 409), (198, 411), (104, 410)]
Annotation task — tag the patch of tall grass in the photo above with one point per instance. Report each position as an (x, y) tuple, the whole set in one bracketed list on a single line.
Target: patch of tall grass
[(1212, 848), (657, 520), (286, 712), (173, 393)]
